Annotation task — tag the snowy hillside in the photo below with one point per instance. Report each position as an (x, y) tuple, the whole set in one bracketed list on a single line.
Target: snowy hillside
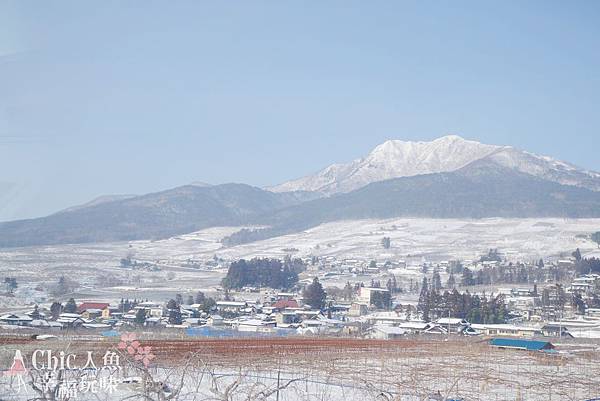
[(396, 158)]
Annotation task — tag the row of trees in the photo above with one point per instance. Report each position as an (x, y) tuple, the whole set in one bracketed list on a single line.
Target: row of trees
[(586, 266), (513, 274), (56, 308), (263, 272), (476, 309)]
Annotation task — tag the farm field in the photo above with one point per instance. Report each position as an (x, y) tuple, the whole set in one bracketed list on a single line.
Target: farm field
[(347, 369)]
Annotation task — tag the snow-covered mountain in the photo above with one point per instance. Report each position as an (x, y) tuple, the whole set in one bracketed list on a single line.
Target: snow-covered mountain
[(395, 158)]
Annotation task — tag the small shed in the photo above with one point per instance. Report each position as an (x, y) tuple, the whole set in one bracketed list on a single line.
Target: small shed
[(527, 345)]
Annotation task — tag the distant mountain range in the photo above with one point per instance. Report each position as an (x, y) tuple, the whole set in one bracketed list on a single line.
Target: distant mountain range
[(394, 159), (157, 215), (445, 178)]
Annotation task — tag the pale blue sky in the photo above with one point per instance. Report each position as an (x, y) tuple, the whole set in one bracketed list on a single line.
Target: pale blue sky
[(103, 97)]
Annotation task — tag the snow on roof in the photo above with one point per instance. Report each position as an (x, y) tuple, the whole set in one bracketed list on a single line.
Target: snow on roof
[(15, 317), (414, 325), (96, 325), (450, 320), (374, 289), (390, 330), (254, 322), (230, 303), (504, 327)]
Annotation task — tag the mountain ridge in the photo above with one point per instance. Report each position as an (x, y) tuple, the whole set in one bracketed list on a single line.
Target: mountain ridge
[(151, 216), (482, 181), (482, 189), (396, 158)]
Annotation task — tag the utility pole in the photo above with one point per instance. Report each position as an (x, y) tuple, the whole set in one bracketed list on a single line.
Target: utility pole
[(278, 377), (448, 323)]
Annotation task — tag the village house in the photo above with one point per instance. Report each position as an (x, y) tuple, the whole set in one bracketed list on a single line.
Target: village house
[(585, 285), (230, 307), (366, 294), (525, 345), (287, 319), (555, 330), (455, 325), (254, 325), (283, 304), (92, 310), (507, 330), (414, 327), (70, 320), (152, 309), (215, 320), (13, 319), (358, 309), (386, 332)]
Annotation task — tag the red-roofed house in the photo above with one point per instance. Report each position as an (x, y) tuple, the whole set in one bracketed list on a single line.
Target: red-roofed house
[(285, 304), (89, 310)]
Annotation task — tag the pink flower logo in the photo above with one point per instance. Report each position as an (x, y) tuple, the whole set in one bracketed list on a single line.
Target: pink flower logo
[(145, 355), (133, 347)]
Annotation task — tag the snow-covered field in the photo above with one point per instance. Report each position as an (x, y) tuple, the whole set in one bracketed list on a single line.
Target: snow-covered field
[(432, 239), (96, 266)]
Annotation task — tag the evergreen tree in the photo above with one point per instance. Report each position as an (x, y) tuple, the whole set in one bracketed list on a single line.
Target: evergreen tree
[(395, 285), (451, 281), (596, 238), (545, 297), (62, 286), (189, 300), (314, 295), (140, 317), (348, 292), (172, 304), (467, 277), (175, 316), (56, 309), (381, 299), (578, 303), (200, 297), (436, 281), (35, 315), (179, 299), (423, 306), (70, 306), (208, 305)]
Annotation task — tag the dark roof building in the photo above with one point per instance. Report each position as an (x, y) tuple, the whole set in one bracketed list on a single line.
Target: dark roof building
[(527, 345)]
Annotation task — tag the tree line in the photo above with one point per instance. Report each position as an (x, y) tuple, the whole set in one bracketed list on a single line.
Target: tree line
[(263, 272), (474, 308)]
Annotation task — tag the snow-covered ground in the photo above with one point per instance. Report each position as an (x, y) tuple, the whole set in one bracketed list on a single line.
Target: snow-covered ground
[(432, 239), (95, 267)]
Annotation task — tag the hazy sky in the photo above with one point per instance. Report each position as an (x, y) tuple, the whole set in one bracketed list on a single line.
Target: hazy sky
[(103, 98)]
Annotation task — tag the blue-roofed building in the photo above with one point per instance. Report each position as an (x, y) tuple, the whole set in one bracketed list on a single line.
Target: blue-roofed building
[(527, 345)]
